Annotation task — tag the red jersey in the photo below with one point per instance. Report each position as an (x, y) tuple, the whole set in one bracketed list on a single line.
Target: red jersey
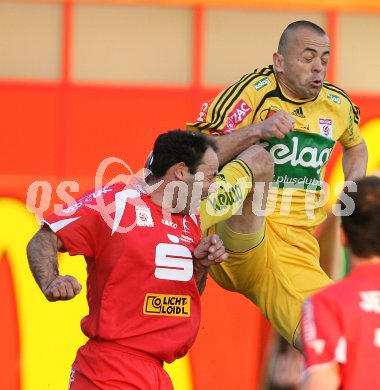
[(140, 287), (341, 324)]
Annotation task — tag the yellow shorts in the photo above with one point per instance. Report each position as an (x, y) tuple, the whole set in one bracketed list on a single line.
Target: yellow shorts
[(276, 268), (277, 274)]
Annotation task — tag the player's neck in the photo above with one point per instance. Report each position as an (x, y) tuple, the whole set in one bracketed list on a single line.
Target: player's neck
[(357, 261)]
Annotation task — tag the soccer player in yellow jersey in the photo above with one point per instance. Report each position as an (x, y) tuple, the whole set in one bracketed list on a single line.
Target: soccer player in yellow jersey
[(288, 111)]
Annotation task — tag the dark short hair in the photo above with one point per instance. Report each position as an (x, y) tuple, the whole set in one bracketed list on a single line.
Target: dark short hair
[(294, 26), (179, 146), (362, 226)]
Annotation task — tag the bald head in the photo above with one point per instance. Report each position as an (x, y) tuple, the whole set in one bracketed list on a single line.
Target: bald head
[(302, 59), (288, 33)]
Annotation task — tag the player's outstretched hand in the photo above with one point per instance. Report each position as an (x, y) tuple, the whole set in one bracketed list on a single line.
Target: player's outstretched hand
[(277, 125), (210, 251), (62, 288)]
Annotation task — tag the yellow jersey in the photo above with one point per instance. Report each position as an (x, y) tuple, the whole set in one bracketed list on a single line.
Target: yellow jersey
[(297, 194)]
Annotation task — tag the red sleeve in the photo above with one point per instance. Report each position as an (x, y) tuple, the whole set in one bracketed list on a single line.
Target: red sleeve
[(321, 333), (78, 233), (80, 225)]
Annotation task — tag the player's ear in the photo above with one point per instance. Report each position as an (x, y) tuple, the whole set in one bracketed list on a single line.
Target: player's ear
[(343, 237), (181, 171), (278, 62)]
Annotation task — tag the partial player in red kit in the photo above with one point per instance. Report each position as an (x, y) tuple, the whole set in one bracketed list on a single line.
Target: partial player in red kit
[(341, 324), (146, 266)]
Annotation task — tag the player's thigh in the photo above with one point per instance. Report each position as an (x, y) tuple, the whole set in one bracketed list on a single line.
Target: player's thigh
[(292, 274), (246, 261), (294, 254)]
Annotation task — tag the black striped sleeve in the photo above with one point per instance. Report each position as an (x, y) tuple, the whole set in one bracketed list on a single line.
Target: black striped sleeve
[(228, 98), (355, 108)]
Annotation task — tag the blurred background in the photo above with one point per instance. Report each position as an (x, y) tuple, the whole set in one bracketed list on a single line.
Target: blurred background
[(82, 81)]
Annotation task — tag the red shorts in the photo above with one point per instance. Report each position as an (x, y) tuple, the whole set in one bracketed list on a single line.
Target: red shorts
[(106, 365)]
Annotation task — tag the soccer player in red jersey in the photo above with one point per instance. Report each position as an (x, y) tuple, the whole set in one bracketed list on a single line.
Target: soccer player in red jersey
[(146, 266), (341, 324)]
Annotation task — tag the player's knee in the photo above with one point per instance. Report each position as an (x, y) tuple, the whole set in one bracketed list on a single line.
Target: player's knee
[(260, 162)]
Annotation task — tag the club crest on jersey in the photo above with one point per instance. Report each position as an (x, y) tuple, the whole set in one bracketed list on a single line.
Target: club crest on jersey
[(143, 216), (325, 127), (268, 112), (237, 115)]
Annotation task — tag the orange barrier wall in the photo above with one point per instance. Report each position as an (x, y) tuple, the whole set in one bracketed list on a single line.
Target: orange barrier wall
[(68, 141)]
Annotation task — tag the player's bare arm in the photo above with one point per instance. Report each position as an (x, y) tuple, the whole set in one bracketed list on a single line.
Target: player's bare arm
[(355, 161), (209, 251), (43, 261), (230, 145)]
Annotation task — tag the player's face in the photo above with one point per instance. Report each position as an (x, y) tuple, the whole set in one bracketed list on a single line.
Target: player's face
[(201, 184), (303, 66)]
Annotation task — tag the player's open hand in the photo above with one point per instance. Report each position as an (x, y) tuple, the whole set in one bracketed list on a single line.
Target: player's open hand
[(277, 125), (62, 288)]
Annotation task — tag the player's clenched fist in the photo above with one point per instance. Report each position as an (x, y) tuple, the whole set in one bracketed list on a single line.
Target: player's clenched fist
[(277, 125), (210, 251), (62, 288)]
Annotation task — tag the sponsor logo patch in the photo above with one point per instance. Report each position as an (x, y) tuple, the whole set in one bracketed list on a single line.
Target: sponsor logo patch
[(334, 98), (261, 83), (299, 159), (237, 115), (228, 196), (86, 199), (167, 305), (203, 113)]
